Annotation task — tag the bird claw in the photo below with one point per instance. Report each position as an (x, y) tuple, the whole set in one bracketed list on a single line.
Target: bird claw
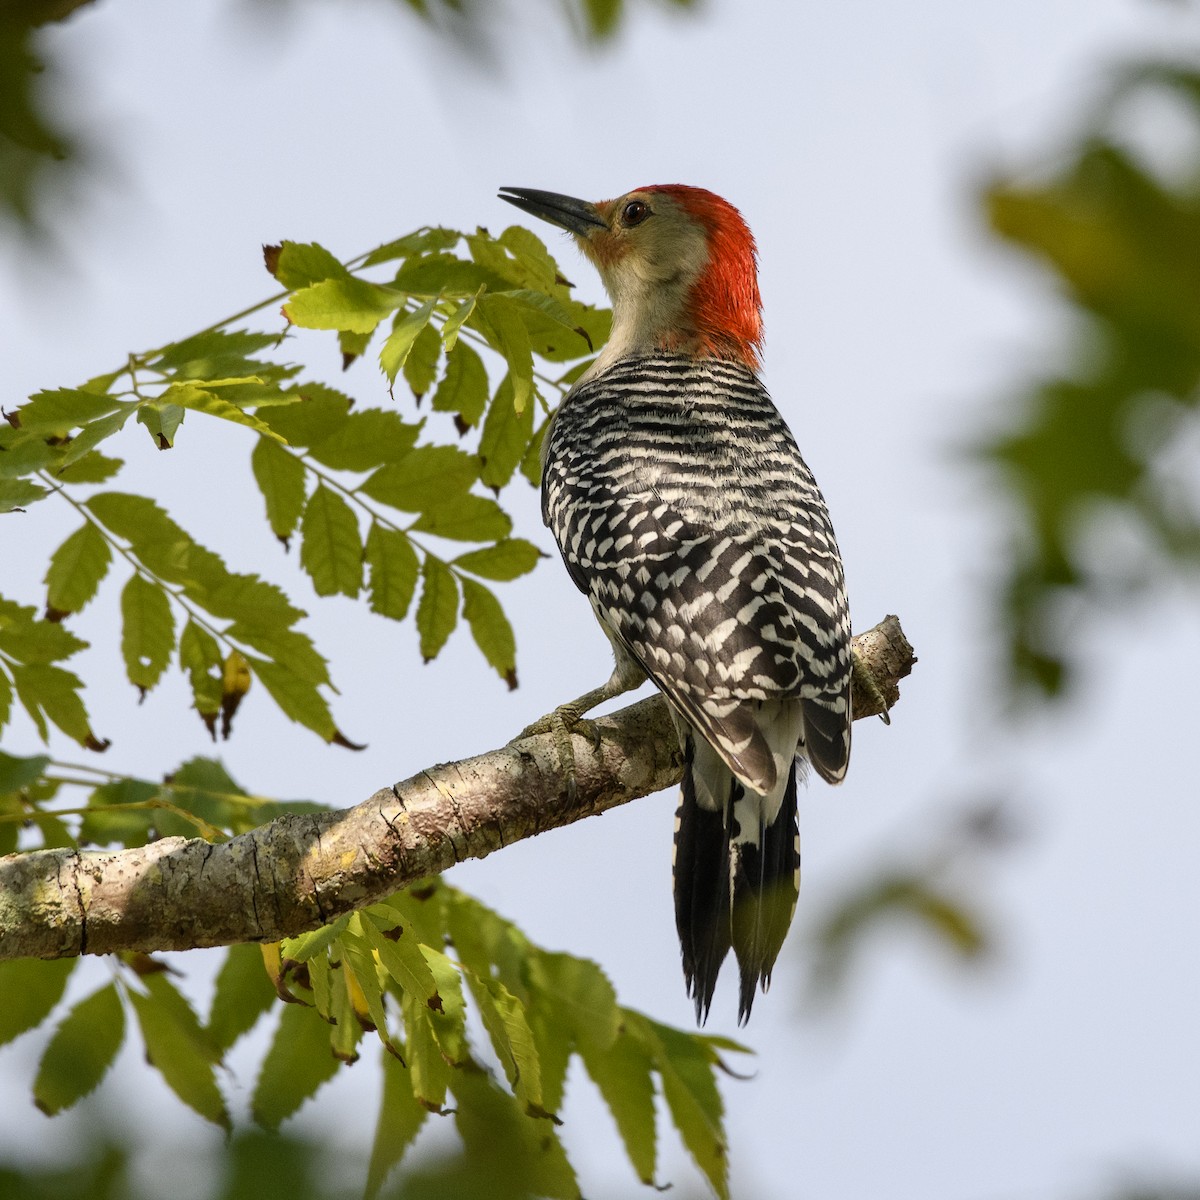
[(562, 723)]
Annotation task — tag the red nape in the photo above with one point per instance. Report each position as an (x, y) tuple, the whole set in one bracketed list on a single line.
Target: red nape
[(725, 301)]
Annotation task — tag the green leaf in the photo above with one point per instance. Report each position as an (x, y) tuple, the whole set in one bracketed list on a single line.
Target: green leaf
[(299, 264), (502, 562), (504, 1019), (288, 647), (76, 569), (317, 413), (622, 1073), (445, 275), (491, 630), (428, 1067), (31, 988), (400, 954), (92, 435), (360, 960), (179, 1048), (453, 324), (201, 658), (421, 365), (52, 694), (464, 386), (93, 467), (162, 422), (425, 476), (80, 1052), (448, 1022), (531, 463), (351, 304), (437, 611), (466, 518), (307, 946), (505, 438), (29, 640), (685, 1064), (17, 494), (394, 569), (147, 632), (199, 399), (295, 1066), (400, 1118), (109, 821), (420, 242), (403, 337), (215, 354), (531, 252), (297, 698), (6, 699), (331, 549), (242, 994), (366, 439), (504, 329), (64, 409), (17, 774), (280, 478)]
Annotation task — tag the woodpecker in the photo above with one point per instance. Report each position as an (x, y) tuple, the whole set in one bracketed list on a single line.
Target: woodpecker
[(684, 512)]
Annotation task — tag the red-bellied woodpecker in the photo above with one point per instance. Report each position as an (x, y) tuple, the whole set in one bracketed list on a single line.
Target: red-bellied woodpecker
[(686, 515)]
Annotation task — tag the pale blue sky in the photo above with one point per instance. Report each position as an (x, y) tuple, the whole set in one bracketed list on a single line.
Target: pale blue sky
[(853, 136)]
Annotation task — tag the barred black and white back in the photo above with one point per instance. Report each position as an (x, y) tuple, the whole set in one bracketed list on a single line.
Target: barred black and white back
[(684, 511)]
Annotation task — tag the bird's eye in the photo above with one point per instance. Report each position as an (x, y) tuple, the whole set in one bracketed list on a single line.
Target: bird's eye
[(635, 212)]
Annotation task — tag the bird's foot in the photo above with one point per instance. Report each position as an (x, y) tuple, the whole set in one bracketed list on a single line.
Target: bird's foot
[(564, 721)]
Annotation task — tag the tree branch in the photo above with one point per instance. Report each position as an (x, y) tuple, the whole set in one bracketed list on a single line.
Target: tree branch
[(299, 872)]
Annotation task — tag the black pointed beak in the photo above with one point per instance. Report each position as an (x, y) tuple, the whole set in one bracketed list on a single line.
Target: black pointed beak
[(576, 216)]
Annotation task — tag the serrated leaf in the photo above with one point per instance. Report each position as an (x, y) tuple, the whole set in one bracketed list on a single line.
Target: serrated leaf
[(423, 477), (288, 647), (31, 988), (201, 658), (76, 569), (505, 437), (243, 992), (428, 1067), (394, 569), (502, 562), (214, 354), (420, 367), (316, 413), (622, 1073), (297, 1063), (400, 1118), (400, 953), (365, 440), (16, 494), (179, 1048), (448, 1022), (306, 946), (466, 518), (147, 632), (297, 698), (453, 324), (200, 399), (422, 241), (299, 264), (464, 386), (92, 467), (280, 478), (501, 324), (445, 275), (402, 339), (64, 409), (437, 611), (331, 549), (30, 640), (531, 252), (80, 1052), (505, 1021), (491, 630), (351, 304), (360, 959), (52, 694)]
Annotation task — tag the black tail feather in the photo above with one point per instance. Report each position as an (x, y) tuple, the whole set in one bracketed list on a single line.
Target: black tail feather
[(702, 892), (765, 890)]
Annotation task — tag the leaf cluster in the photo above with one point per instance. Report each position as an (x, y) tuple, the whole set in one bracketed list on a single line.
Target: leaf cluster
[(407, 970), (1098, 446), (401, 511)]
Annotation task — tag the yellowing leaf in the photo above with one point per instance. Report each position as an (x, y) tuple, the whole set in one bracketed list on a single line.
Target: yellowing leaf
[(80, 1052), (420, 367), (299, 264), (351, 304)]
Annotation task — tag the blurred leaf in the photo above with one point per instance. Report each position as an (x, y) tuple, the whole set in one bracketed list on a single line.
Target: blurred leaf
[(80, 1052), (241, 995), (31, 988), (297, 1063), (622, 1072), (400, 1119), (179, 1048)]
